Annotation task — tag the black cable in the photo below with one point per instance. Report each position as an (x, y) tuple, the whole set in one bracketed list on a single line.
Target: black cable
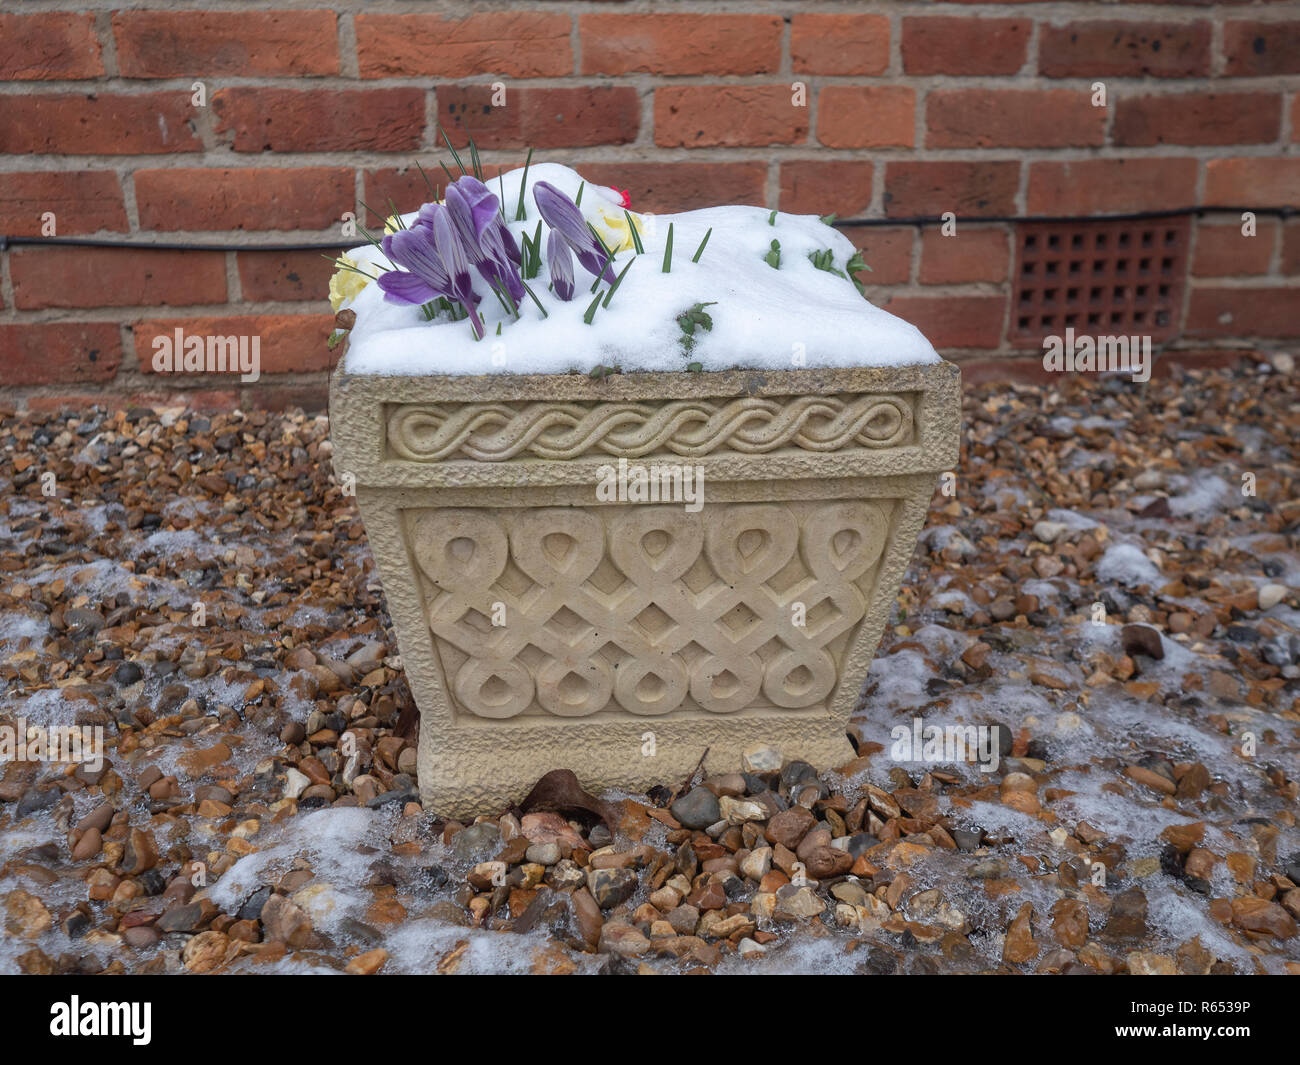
[(919, 220)]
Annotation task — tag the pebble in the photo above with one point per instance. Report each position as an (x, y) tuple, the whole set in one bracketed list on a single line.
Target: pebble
[(698, 809)]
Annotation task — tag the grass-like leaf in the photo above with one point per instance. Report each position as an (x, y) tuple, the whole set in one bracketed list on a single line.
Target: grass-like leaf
[(591, 309), (668, 251), (454, 154), (533, 297), (618, 281), (700, 250), (520, 214), (637, 246), (432, 190)]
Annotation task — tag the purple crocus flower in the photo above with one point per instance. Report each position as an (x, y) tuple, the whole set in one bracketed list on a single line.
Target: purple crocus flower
[(435, 261), (559, 261), (564, 218), (489, 245)]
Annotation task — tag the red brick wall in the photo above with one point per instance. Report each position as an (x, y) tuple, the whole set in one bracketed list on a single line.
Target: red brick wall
[(911, 109)]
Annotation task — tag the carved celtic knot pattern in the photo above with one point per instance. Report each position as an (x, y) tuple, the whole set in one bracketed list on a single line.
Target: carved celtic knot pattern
[(495, 432), (646, 609)]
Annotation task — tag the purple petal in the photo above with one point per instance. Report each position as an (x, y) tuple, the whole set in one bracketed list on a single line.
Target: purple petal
[(452, 254), (402, 287), (593, 259), (498, 264), (414, 250), (562, 215), (477, 200), (560, 263)]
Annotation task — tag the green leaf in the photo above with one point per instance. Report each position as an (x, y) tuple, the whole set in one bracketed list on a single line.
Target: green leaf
[(773, 257), (523, 184), (455, 156), (577, 200), (618, 281), (824, 260), (668, 251), (700, 250), (695, 367), (534, 298), (853, 266), (771, 219), (591, 309), (335, 337), (475, 162), (609, 255), (637, 246), (828, 219), (432, 191)]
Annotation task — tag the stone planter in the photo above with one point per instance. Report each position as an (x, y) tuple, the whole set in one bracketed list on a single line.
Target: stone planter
[(631, 636)]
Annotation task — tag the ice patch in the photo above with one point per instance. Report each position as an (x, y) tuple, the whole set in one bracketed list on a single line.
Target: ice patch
[(1126, 564)]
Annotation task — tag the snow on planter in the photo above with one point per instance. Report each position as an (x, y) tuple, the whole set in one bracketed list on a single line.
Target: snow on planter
[(637, 487), (770, 308)]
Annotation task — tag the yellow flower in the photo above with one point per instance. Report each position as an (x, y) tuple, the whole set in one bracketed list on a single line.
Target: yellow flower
[(614, 227), (346, 283)]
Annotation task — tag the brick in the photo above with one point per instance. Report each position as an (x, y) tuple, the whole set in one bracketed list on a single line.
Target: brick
[(290, 343), (839, 44), (866, 116), (1295, 120), (1101, 186), (55, 45), (1198, 118), (1224, 251), (404, 186), (520, 44), (680, 43), (244, 44), (59, 352), (664, 187), (970, 254), (841, 187), (540, 118), (1100, 49), (197, 199), (965, 45), (1261, 48), (288, 397), (1244, 312), (953, 321), (914, 189), (697, 116), (115, 277), (1013, 118), (83, 201), (1253, 182), (886, 249), (97, 124), (1291, 249), (285, 276), (200, 400), (320, 120)]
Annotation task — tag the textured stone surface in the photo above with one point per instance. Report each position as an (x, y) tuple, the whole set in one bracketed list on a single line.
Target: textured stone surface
[(479, 497)]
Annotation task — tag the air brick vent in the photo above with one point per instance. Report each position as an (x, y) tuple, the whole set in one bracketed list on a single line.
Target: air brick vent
[(1099, 278)]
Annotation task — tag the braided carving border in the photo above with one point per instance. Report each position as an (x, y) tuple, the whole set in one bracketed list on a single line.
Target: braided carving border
[(498, 432)]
